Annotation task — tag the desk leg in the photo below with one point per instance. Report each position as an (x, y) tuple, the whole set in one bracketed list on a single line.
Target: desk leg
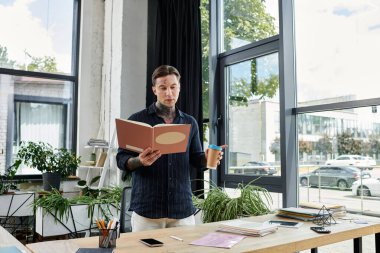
[(314, 250), (377, 242), (358, 245)]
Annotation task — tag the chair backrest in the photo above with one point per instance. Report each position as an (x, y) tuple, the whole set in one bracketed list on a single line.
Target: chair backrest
[(125, 215)]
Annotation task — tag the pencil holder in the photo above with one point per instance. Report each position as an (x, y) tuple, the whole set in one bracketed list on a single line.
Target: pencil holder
[(107, 238)]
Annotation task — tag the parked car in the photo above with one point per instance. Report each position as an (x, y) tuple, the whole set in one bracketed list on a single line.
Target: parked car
[(333, 176), (370, 186), (370, 162), (256, 168), (348, 160)]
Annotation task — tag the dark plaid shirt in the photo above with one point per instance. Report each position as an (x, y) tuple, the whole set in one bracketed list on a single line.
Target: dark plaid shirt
[(163, 190)]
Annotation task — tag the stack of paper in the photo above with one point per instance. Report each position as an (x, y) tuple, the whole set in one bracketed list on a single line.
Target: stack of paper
[(336, 210), (97, 142), (247, 227), (306, 214)]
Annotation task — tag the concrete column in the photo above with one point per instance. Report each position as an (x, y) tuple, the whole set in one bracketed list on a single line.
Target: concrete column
[(125, 59), (90, 74), (112, 79)]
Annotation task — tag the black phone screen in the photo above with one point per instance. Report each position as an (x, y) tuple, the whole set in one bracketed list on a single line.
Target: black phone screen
[(284, 223), (322, 230), (152, 242)]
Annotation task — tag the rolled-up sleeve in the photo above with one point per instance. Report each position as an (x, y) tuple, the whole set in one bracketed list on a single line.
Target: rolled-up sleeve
[(122, 158)]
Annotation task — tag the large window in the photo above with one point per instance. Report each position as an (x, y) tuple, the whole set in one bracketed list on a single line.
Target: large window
[(252, 92), (337, 102), (36, 35), (246, 114), (40, 121), (339, 61), (247, 21), (325, 109), (335, 164), (38, 75), (205, 35)]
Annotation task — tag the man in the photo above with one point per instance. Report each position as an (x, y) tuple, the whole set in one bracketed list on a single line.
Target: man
[(161, 188)]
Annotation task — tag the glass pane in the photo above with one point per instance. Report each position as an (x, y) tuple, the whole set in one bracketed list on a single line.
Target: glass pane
[(337, 50), (339, 158), (36, 35), (205, 33), (247, 21), (274, 203), (39, 121), (33, 109), (253, 117)]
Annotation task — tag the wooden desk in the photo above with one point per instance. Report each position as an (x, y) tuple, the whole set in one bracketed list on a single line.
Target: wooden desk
[(6, 239), (285, 240)]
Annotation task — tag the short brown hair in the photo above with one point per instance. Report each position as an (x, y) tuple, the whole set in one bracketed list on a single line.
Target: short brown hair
[(164, 70)]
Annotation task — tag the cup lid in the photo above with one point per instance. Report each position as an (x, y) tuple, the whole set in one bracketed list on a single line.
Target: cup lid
[(214, 147)]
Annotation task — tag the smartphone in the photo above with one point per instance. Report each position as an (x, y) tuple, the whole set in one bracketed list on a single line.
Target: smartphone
[(285, 223), (321, 230), (152, 242)]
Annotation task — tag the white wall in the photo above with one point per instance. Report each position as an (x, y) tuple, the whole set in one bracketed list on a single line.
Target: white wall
[(113, 58), (6, 89)]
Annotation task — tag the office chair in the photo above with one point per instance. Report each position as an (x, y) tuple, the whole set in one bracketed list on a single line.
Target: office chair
[(125, 215)]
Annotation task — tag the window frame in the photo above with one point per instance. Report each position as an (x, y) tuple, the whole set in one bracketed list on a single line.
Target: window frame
[(287, 184), (43, 100), (226, 59)]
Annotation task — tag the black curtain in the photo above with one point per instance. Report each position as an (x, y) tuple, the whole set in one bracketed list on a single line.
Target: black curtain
[(174, 38)]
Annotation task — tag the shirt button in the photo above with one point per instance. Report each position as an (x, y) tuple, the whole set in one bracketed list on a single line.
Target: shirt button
[(170, 193)]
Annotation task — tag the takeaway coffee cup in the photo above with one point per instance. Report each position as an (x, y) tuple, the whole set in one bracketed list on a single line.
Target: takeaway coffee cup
[(213, 154)]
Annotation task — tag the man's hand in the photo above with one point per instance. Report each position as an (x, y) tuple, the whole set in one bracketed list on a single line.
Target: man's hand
[(148, 157), (220, 157)]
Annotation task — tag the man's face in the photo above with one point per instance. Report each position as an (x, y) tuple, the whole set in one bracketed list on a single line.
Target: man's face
[(167, 90)]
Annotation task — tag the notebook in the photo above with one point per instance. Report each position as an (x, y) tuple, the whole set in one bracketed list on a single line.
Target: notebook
[(10, 249), (95, 250)]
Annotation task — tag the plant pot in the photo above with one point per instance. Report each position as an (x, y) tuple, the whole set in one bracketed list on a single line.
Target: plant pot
[(51, 180), (16, 204), (76, 221)]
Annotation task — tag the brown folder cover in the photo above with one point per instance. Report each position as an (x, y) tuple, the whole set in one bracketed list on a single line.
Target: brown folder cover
[(137, 136)]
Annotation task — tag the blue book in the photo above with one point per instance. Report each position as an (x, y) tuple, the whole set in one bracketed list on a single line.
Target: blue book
[(10, 249)]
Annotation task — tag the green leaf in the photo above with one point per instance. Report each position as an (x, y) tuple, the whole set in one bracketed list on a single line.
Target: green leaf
[(95, 179)]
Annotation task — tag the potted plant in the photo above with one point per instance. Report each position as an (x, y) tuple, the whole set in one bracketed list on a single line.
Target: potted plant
[(13, 202), (6, 181), (53, 163), (218, 205), (57, 215), (86, 188)]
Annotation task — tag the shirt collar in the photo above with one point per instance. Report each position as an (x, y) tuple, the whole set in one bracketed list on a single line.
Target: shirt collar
[(153, 110)]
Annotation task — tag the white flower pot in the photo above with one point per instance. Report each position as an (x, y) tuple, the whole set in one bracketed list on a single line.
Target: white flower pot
[(16, 204), (76, 220)]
